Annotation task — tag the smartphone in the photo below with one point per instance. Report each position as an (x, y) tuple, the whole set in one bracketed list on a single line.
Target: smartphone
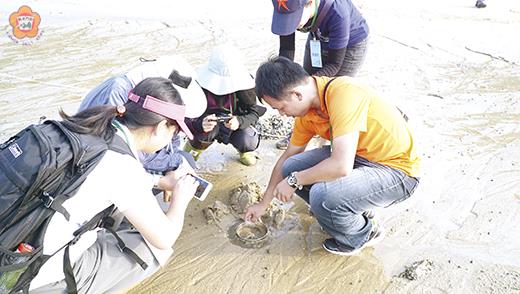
[(203, 188)]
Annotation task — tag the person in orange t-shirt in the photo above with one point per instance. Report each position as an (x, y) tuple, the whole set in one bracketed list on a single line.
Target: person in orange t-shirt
[(371, 162)]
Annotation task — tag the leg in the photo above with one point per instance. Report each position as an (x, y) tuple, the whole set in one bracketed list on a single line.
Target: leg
[(354, 58), (338, 205), (245, 140), (202, 141), (104, 268), (303, 161)]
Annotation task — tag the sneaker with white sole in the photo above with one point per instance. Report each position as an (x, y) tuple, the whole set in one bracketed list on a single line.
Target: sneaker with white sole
[(283, 143), (375, 236)]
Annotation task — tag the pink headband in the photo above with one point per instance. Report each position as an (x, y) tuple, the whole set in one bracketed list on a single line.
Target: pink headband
[(166, 109)]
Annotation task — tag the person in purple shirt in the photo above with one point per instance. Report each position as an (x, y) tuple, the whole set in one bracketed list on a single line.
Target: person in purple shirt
[(337, 40)]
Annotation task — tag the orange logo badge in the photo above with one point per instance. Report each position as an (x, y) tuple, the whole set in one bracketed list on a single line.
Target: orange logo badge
[(282, 4), (25, 23)]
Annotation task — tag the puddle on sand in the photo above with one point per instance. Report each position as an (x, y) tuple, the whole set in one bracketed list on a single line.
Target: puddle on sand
[(276, 222), (252, 236), (257, 237)]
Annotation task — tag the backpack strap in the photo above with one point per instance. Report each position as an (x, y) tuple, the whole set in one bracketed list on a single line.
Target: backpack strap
[(119, 145), (405, 117), (95, 222), (122, 246), (72, 286), (100, 220), (325, 92)]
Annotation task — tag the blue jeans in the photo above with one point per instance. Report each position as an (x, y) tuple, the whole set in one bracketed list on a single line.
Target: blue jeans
[(338, 204)]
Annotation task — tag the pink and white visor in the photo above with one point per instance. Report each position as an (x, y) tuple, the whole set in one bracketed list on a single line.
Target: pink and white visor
[(166, 109)]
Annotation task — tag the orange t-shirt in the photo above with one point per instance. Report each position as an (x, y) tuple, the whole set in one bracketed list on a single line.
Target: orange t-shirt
[(384, 136)]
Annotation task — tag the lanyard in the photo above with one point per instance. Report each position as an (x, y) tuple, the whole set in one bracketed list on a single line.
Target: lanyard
[(315, 13), (117, 125), (325, 104), (233, 103)]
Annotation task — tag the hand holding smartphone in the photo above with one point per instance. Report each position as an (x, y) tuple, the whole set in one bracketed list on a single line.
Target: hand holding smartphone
[(203, 188)]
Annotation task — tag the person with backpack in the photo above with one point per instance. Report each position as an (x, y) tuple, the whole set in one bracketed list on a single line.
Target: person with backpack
[(337, 40), (372, 160), (232, 109), (72, 259), (114, 91)]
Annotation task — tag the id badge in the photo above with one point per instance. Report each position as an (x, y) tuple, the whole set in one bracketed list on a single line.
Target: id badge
[(316, 53)]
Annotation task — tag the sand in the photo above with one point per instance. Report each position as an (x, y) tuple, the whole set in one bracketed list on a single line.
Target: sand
[(454, 69)]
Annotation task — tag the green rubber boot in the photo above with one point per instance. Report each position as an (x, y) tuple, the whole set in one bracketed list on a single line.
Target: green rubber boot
[(193, 151), (248, 158)]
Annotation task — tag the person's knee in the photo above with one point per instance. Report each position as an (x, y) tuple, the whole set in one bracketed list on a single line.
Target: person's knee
[(333, 215), (246, 140), (322, 199), (289, 166), (317, 197)]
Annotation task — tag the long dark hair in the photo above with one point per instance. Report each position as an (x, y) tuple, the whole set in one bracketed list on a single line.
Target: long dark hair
[(97, 120)]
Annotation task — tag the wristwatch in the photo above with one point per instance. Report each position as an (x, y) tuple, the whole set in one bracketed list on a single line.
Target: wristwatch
[(293, 182)]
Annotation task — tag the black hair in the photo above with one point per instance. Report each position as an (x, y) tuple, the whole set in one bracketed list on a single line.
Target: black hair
[(276, 75), (97, 120)]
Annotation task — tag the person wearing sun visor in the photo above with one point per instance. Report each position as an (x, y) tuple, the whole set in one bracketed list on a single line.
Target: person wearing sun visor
[(100, 261), (115, 90)]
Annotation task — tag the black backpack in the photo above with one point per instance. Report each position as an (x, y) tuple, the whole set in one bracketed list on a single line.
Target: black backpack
[(41, 167)]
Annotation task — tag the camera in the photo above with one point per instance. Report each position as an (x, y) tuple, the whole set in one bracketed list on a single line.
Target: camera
[(203, 188), (224, 118)]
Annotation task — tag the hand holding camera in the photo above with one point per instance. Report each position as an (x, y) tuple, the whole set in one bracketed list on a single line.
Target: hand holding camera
[(223, 118), (209, 123), (232, 123)]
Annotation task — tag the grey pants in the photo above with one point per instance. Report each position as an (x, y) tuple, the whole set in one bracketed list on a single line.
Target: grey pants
[(103, 268), (354, 58)]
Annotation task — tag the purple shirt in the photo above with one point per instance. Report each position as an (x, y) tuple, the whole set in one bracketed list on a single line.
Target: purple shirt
[(343, 25)]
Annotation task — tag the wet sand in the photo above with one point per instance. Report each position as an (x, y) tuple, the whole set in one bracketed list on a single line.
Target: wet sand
[(454, 69)]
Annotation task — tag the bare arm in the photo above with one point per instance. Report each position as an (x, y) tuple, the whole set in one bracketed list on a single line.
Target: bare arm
[(159, 228), (255, 211), (339, 164)]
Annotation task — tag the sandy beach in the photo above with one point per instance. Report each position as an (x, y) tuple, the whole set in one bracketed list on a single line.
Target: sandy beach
[(453, 68)]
